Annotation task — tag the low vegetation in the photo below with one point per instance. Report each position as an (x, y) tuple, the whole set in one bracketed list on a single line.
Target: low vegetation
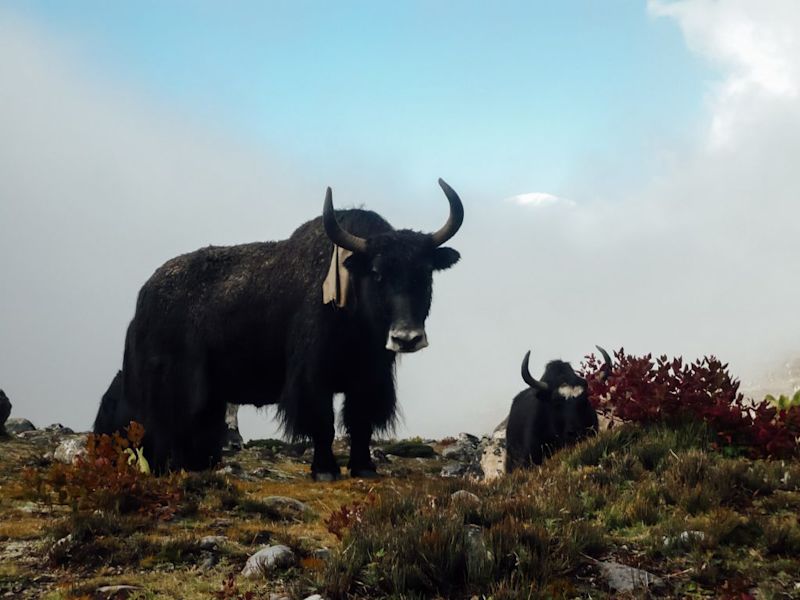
[(693, 496)]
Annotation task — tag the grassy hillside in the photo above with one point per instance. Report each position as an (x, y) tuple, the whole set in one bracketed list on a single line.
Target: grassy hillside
[(655, 498)]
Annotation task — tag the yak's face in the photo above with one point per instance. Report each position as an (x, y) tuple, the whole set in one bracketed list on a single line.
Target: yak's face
[(394, 273), (394, 280), (570, 399)]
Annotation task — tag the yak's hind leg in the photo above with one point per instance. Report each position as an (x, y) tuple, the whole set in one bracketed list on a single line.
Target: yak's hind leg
[(368, 406)]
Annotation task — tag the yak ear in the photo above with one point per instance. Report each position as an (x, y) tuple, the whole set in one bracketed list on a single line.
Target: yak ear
[(444, 258), (357, 263)]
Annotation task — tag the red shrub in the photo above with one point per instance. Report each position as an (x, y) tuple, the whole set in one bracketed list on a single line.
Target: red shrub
[(668, 391)]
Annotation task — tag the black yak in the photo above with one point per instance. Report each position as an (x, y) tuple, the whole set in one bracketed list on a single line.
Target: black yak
[(552, 413), (289, 323)]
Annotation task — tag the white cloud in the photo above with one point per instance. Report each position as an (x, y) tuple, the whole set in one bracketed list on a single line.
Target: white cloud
[(756, 45), (539, 199)]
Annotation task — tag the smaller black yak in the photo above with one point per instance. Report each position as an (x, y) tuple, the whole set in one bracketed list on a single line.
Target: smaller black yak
[(550, 414)]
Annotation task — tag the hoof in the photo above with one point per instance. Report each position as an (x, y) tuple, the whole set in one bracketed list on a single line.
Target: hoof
[(325, 476), (364, 474)]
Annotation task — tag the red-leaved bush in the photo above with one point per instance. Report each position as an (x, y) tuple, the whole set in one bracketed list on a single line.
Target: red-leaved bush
[(109, 477), (646, 391)]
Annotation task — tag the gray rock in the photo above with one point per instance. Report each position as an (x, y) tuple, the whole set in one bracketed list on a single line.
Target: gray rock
[(5, 409), (622, 578), (685, 537), (58, 428), (286, 505), (322, 553), (267, 560), (465, 497), (477, 553), (209, 562), (212, 542), (314, 597), (117, 592), (17, 426), (493, 458), (70, 449), (453, 470), (233, 439), (378, 456)]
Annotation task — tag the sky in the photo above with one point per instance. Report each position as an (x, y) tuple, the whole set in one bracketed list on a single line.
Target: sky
[(627, 170)]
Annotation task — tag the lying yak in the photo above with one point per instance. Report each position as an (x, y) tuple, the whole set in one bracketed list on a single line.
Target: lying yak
[(289, 323), (550, 414)]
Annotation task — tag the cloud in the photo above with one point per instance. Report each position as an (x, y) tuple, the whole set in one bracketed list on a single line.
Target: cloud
[(755, 44), (536, 199)]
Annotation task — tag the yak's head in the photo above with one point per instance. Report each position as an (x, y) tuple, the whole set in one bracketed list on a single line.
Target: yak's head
[(566, 394), (393, 273)]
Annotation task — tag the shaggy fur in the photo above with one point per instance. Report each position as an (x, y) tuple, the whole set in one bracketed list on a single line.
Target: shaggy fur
[(246, 324), (541, 421)]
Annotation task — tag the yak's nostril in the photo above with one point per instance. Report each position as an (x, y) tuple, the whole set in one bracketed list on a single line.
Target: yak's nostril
[(406, 340)]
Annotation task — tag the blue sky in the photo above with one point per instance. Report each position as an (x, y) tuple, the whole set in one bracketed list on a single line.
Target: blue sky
[(506, 96), (653, 140)]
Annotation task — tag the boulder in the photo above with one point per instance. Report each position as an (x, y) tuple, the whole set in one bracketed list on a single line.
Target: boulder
[(266, 560), (70, 449), (17, 426), (233, 439), (622, 578)]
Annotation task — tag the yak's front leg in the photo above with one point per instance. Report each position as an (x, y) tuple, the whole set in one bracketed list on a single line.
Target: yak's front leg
[(324, 466), (366, 408)]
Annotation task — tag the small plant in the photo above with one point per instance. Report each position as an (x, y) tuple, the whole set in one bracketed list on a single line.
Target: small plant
[(230, 591), (348, 515), (112, 475), (784, 402)]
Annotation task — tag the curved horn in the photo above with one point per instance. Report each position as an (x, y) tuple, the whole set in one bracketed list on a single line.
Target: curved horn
[(607, 364), (339, 236), (454, 220), (527, 377)]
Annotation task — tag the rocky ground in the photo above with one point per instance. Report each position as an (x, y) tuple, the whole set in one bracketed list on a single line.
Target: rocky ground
[(629, 514)]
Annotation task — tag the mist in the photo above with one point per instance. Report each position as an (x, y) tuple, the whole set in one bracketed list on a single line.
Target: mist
[(100, 184)]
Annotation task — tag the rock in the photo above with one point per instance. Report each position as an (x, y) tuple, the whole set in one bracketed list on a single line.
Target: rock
[(233, 439), (314, 597), (465, 497), (410, 449), (287, 506), (58, 428), (378, 456), (453, 470), (322, 553), (268, 559), (209, 562), (212, 542), (493, 457), (5, 409), (260, 473), (117, 592), (685, 537), (622, 578), (70, 449), (17, 426), (231, 469), (476, 551)]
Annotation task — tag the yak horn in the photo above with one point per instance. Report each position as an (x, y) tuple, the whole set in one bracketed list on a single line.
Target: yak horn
[(454, 220), (607, 362), (339, 236), (527, 377)]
